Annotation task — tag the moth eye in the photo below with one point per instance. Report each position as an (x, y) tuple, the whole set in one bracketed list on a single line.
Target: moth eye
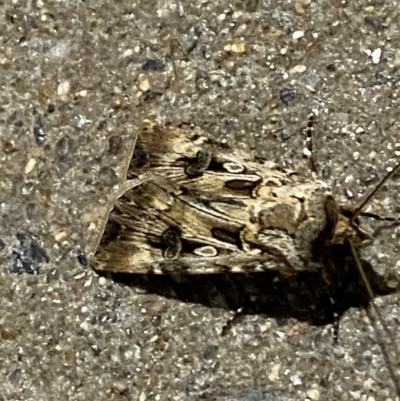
[(233, 167), (171, 238), (206, 251), (199, 165)]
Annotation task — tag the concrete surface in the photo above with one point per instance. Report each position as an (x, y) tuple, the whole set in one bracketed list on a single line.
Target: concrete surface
[(76, 79)]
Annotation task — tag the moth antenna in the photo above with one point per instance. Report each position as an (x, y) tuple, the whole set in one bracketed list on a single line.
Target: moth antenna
[(377, 217), (370, 293), (374, 191), (384, 353), (381, 320)]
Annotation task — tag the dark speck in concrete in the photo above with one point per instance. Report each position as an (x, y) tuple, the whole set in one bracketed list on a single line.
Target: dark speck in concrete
[(64, 149), (108, 177), (29, 256), (288, 96), (115, 145), (153, 65)]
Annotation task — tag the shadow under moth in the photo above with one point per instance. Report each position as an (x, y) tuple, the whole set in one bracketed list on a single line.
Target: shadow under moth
[(200, 224)]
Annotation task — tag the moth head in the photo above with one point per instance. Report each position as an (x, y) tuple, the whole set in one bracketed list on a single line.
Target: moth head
[(348, 230), (341, 227)]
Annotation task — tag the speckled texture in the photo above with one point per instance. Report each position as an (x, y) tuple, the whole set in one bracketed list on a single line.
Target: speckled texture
[(77, 77)]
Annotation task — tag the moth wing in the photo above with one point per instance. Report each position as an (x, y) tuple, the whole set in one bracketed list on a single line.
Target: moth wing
[(208, 240), (198, 210)]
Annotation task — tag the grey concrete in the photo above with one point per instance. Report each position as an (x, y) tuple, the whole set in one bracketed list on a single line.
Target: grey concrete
[(66, 334)]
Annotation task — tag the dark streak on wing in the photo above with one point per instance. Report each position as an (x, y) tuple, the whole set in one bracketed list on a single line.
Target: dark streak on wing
[(243, 187), (228, 236)]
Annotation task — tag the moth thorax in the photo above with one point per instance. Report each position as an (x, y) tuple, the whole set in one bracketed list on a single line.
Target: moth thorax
[(280, 216)]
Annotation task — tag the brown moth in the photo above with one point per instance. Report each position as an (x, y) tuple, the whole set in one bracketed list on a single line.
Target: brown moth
[(271, 241), (192, 209)]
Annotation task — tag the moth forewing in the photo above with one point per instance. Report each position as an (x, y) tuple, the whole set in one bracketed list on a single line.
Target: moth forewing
[(197, 209), (231, 215)]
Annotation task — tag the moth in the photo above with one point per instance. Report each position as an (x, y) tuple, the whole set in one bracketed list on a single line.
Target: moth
[(202, 224), (270, 241)]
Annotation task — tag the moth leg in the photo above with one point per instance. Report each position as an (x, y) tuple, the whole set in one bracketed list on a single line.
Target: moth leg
[(336, 324), (334, 308), (233, 320), (333, 294), (308, 150), (389, 222), (321, 254)]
